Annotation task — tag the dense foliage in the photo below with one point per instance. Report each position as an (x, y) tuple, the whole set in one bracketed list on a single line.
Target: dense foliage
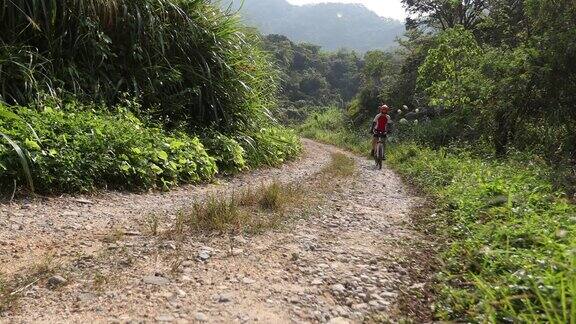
[(310, 77), (333, 127), (123, 94), (511, 256), (509, 76), (79, 150)]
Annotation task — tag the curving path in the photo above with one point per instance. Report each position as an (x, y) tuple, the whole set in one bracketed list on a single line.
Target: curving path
[(343, 258)]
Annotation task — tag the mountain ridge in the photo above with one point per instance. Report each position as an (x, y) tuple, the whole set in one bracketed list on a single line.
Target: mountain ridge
[(330, 25)]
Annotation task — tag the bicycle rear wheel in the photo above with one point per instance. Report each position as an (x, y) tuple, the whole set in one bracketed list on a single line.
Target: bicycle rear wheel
[(380, 156)]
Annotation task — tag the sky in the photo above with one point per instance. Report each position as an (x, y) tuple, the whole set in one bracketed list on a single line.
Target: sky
[(384, 8)]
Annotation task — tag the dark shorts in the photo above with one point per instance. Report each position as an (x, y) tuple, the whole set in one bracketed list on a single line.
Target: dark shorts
[(380, 135)]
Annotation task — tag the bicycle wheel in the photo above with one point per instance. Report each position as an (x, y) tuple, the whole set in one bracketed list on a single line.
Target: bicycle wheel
[(380, 156)]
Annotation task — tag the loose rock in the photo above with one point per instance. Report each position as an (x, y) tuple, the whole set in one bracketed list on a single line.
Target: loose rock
[(225, 298), (56, 281), (339, 320), (156, 280), (204, 255), (339, 288), (201, 317)]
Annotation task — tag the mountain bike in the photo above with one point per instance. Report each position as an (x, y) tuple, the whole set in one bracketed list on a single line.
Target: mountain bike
[(380, 151)]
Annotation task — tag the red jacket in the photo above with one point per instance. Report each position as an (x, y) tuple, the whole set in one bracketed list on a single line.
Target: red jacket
[(380, 123)]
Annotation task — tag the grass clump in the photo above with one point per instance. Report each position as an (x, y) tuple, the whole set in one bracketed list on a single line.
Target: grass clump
[(276, 196), (252, 209), (7, 299), (510, 255), (341, 165), (217, 214), (11, 289)]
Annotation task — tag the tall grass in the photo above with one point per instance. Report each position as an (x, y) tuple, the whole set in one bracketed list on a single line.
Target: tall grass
[(191, 64)]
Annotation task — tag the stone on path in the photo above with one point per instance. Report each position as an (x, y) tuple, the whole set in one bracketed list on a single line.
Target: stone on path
[(225, 298), (85, 297), (156, 280), (165, 318), (339, 288), (204, 255), (201, 317), (56, 281), (339, 320)]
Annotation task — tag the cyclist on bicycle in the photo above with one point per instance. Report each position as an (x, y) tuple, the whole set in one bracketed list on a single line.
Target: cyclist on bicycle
[(380, 125)]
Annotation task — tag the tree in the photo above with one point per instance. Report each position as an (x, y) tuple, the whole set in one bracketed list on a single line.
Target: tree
[(446, 14)]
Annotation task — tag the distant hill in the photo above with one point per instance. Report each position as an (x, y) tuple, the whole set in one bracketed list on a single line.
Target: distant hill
[(330, 25)]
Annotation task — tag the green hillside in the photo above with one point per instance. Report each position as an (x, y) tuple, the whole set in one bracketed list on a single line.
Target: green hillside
[(330, 25)]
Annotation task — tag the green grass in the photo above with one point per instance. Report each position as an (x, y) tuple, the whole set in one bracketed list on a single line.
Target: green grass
[(341, 165), (509, 251), (512, 237)]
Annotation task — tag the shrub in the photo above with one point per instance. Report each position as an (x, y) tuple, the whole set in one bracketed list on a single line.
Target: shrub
[(228, 153), (83, 150)]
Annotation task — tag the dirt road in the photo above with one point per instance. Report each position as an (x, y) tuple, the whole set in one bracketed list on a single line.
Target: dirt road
[(341, 257)]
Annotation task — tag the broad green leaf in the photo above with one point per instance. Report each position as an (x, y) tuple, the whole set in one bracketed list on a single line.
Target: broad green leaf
[(31, 145), (162, 155)]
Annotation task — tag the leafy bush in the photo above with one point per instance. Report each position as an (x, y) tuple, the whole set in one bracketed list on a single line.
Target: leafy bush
[(228, 153), (439, 132), (84, 150), (187, 66), (512, 237)]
